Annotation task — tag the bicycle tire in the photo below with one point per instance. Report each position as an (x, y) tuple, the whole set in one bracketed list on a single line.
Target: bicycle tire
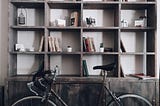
[(131, 100), (32, 101)]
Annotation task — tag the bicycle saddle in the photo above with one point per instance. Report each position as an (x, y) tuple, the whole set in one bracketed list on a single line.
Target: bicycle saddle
[(108, 67)]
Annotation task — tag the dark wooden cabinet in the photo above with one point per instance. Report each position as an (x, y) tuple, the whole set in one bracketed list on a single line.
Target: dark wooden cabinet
[(86, 91)]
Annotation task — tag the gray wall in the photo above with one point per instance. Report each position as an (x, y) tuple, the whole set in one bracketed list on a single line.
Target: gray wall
[(4, 39)]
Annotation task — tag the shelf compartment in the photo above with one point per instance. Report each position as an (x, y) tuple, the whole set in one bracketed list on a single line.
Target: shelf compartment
[(137, 42), (25, 64), (93, 60), (135, 64), (131, 14), (64, 5), (66, 38), (107, 18), (28, 3), (69, 65), (64, 14), (29, 39), (34, 16), (108, 38)]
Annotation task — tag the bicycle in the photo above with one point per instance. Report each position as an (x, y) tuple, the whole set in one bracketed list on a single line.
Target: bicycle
[(48, 95)]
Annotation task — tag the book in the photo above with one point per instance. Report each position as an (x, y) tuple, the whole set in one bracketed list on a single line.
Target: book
[(74, 19), (85, 68), (88, 44), (142, 76), (122, 46), (57, 45), (84, 45), (53, 44), (122, 72), (41, 44), (50, 43)]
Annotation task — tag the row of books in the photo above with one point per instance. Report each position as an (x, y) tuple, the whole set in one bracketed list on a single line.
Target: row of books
[(88, 44), (53, 43)]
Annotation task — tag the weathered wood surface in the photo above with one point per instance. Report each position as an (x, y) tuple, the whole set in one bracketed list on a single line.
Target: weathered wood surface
[(86, 93)]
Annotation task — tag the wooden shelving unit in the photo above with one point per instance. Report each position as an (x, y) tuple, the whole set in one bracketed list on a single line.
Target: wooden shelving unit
[(139, 42)]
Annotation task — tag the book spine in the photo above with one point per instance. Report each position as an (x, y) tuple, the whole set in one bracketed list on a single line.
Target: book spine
[(41, 44), (85, 68), (50, 43)]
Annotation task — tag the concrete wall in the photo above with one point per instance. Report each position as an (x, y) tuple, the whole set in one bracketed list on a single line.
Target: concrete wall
[(4, 39)]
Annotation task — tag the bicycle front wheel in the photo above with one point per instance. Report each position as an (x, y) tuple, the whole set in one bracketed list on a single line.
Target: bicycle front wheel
[(33, 101), (131, 100)]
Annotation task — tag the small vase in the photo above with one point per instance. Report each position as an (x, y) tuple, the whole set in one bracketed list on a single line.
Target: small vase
[(101, 49)]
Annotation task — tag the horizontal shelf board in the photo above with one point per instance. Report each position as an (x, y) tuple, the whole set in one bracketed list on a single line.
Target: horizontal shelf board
[(64, 5), (150, 53), (64, 53), (100, 5), (99, 28), (132, 53), (137, 5), (64, 28), (76, 80), (28, 28), (28, 53), (28, 3), (100, 53), (129, 29)]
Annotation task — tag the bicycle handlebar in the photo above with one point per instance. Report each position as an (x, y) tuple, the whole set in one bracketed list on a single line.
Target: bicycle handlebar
[(45, 78)]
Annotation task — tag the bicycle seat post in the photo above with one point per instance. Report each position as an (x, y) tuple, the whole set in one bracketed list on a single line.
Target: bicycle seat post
[(104, 75)]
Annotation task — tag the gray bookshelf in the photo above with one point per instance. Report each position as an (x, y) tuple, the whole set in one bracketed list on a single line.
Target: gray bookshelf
[(139, 42)]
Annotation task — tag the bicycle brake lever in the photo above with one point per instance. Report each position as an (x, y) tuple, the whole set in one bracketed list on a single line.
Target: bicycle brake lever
[(30, 84)]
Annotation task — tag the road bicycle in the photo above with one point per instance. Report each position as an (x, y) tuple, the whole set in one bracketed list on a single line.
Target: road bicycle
[(48, 97)]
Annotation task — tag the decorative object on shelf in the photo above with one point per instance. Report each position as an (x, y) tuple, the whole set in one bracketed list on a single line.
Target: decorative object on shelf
[(60, 23), (107, 49), (74, 19), (124, 23), (141, 22), (22, 18), (19, 47), (90, 22), (101, 49), (69, 49)]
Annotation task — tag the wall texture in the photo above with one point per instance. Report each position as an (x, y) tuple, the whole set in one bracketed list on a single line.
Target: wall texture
[(4, 39)]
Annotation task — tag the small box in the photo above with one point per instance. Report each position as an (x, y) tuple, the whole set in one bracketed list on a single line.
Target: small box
[(140, 23), (60, 22), (19, 47)]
